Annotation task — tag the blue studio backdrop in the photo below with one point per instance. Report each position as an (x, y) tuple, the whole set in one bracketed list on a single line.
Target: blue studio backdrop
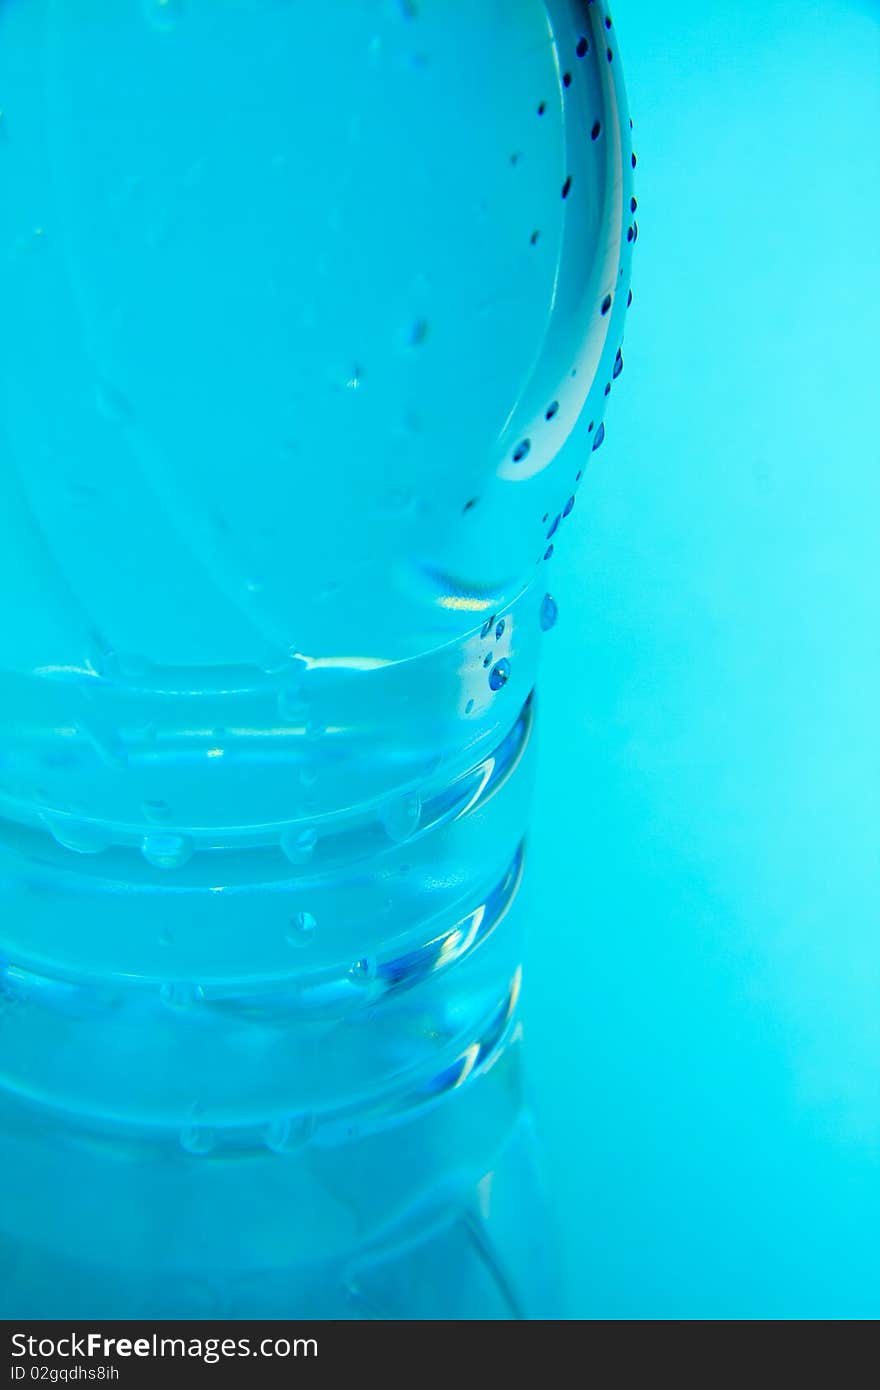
[(705, 854)]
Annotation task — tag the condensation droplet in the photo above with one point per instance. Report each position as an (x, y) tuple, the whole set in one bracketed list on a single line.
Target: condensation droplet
[(197, 1139), (549, 612), (301, 929), (81, 836), (500, 674), (289, 1133), (401, 816), (499, 629), (181, 994), (487, 626), (299, 845), (566, 510), (600, 435), (166, 851), (363, 971)]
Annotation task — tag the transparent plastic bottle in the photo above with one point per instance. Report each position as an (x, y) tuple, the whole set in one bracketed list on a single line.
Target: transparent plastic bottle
[(310, 314)]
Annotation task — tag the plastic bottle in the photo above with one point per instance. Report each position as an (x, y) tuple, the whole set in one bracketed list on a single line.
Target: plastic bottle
[(308, 313)]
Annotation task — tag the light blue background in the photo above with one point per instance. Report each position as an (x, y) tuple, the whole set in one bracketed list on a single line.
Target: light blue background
[(704, 975)]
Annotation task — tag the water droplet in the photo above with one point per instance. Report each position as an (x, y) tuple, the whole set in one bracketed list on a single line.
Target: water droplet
[(197, 1139), (548, 553), (487, 659), (299, 844), (566, 510), (522, 450), (363, 971), (566, 79), (401, 816), (161, 14), (418, 332), (469, 707), (600, 435), (566, 187), (355, 378), (596, 131), (582, 47), (618, 365), (166, 851), (606, 304), (551, 410), (629, 299), (500, 674), (289, 1133), (554, 526), (549, 612), (533, 239), (82, 836), (301, 929), (499, 629), (181, 994)]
